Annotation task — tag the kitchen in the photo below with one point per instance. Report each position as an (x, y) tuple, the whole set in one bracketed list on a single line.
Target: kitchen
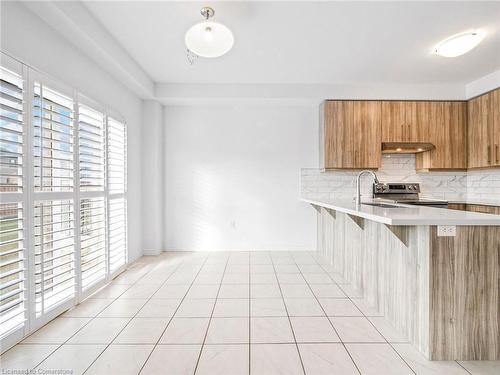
[(241, 187)]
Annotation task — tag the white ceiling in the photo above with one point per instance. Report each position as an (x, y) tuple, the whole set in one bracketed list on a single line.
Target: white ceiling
[(308, 42)]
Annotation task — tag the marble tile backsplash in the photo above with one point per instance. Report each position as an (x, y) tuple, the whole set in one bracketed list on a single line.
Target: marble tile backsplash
[(476, 185)]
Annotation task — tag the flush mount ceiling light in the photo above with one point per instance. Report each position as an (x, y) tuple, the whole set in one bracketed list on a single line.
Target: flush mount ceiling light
[(459, 44), (208, 39)]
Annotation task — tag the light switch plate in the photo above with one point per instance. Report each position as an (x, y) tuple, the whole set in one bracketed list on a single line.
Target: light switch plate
[(447, 231)]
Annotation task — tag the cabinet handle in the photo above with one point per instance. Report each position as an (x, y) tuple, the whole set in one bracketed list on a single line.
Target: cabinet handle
[(409, 132), (403, 132), (496, 154), (489, 154)]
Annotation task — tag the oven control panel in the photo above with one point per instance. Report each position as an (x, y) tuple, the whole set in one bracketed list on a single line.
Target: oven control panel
[(396, 188)]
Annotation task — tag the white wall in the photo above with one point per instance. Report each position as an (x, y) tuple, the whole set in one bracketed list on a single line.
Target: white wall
[(232, 177), (27, 38), (152, 178)]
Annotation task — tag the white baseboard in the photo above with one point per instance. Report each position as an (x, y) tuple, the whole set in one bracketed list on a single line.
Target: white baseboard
[(151, 252)]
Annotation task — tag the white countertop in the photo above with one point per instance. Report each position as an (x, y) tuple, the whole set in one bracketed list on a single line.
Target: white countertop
[(408, 215)]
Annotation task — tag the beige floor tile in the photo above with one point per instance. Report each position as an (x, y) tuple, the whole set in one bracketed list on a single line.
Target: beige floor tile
[(356, 329), (273, 359), (263, 278), (350, 291), (286, 268), (236, 278), (265, 291), (261, 268), (296, 291), (318, 278), (121, 360), (203, 291), (159, 308), (313, 329), (223, 360), (228, 331), (208, 278), (172, 359), (422, 366), (270, 330), (303, 307), (482, 367), (123, 308), (387, 330), (140, 291), (267, 307), (171, 291), (142, 331), (185, 331), (234, 291), (99, 331), (74, 359), (23, 357), (235, 307), (195, 308), (339, 307), (57, 331), (89, 308), (290, 278), (110, 291), (326, 359), (377, 359), (311, 268), (327, 291)]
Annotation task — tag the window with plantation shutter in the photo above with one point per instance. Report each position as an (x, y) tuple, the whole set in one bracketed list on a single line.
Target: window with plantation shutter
[(12, 244), (54, 245), (91, 148), (53, 143), (92, 241)]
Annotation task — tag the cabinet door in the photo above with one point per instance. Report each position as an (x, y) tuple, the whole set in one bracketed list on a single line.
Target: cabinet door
[(447, 131), (478, 133), (352, 134), (394, 121), (494, 125), (421, 117)]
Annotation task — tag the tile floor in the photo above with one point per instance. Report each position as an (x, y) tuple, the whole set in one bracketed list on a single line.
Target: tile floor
[(226, 313)]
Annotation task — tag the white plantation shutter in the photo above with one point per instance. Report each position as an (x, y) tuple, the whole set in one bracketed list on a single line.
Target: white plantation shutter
[(117, 146), (93, 241), (12, 244), (11, 131), (117, 233), (91, 149), (54, 230), (117, 185), (53, 140), (63, 202)]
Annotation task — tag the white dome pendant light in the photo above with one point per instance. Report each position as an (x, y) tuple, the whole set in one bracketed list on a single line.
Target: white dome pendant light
[(208, 39)]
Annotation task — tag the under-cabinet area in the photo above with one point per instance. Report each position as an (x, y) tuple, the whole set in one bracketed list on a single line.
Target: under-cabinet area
[(444, 135)]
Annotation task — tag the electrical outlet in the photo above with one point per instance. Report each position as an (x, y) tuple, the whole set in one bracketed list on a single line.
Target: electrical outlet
[(447, 231)]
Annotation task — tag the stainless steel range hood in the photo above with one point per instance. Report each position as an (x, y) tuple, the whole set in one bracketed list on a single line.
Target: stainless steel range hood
[(406, 147)]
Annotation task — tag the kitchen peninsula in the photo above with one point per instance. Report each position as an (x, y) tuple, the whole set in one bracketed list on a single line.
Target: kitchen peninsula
[(432, 273)]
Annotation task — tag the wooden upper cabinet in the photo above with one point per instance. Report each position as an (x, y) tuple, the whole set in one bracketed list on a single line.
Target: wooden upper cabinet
[(479, 132), (405, 121), (494, 119), (446, 129), (350, 134)]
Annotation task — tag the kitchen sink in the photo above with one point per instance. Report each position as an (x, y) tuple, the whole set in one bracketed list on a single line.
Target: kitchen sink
[(383, 205)]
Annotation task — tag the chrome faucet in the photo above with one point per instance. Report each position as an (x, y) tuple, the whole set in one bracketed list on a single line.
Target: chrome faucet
[(358, 191)]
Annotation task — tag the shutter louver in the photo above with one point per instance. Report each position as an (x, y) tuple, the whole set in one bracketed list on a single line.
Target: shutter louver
[(11, 131), (91, 149), (117, 233), (93, 241), (12, 251), (12, 299), (53, 140), (54, 253), (116, 157)]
